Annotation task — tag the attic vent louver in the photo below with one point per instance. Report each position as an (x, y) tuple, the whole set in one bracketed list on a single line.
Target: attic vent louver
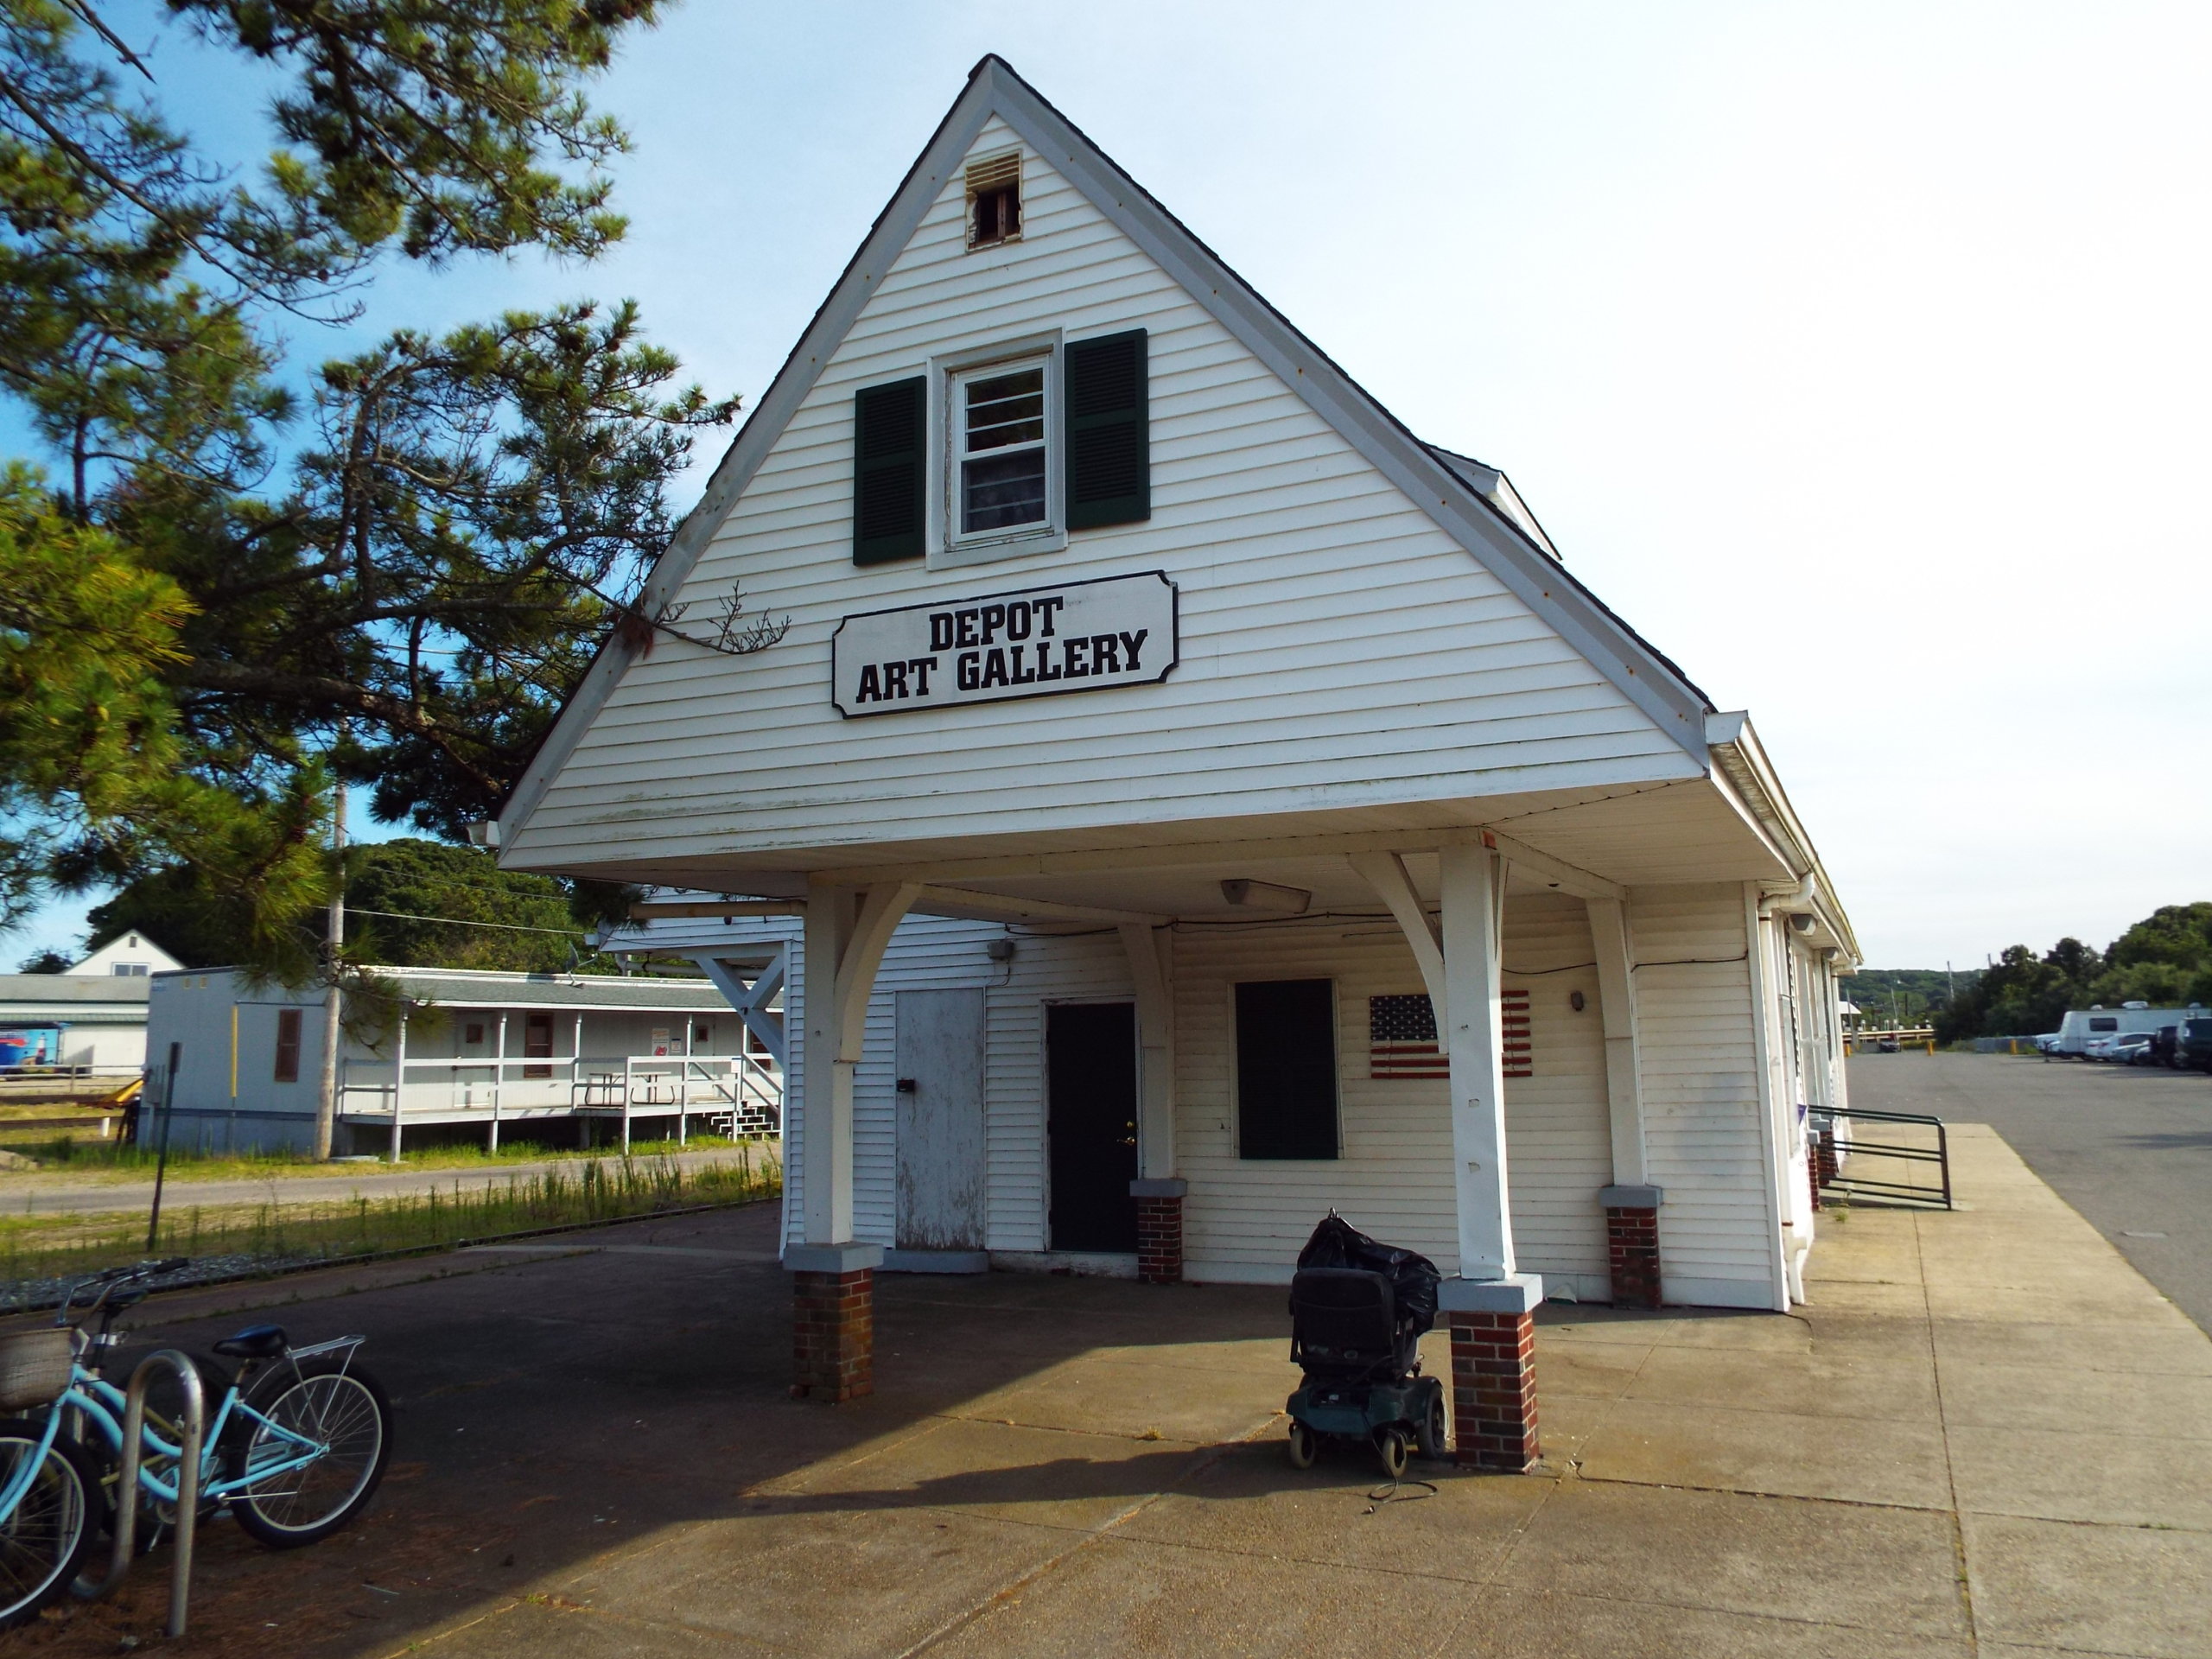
[(994, 200)]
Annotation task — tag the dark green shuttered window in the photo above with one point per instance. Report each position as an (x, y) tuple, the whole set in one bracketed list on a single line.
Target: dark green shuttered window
[(1108, 440), (1287, 1069), (890, 425)]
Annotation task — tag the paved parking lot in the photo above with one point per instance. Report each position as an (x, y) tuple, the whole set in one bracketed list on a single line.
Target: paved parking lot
[(1985, 1435), (2130, 1147)]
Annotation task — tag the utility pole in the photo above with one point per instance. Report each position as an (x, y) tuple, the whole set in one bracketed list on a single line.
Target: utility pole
[(326, 1105)]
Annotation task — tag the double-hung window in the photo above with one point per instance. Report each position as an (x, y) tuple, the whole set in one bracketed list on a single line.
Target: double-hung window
[(1001, 451), (1002, 464)]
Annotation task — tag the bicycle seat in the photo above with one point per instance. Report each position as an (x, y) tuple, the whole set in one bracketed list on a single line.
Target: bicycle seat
[(255, 1342)]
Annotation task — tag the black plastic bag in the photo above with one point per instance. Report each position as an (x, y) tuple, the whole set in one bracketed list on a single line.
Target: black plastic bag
[(1337, 1243)]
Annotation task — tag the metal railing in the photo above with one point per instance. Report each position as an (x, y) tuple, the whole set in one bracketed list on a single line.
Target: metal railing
[(1931, 1148), (738, 1094)]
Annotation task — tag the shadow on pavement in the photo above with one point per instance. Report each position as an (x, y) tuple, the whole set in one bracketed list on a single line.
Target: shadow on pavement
[(552, 1407)]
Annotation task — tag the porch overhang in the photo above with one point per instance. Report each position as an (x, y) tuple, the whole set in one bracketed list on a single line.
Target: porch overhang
[(1584, 843)]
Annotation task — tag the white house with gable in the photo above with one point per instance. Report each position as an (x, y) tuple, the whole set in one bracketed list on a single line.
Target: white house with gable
[(1185, 802)]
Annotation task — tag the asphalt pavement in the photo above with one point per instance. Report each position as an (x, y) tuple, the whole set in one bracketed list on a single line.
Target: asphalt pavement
[(45, 1193), (2128, 1146)]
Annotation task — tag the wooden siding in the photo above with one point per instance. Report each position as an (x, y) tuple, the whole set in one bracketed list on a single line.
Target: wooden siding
[(1700, 1095), (1338, 649), (937, 953), (1245, 1220)]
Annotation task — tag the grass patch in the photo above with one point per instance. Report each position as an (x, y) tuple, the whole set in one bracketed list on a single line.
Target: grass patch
[(73, 1153), (38, 1249)]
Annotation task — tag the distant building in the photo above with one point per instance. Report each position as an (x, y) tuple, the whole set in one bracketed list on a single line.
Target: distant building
[(473, 1054), (72, 1020), (127, 956)]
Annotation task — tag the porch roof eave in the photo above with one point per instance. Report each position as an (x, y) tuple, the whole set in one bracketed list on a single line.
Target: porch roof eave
[(1587, 842)]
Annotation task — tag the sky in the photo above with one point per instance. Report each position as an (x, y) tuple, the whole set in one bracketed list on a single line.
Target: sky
[(1858, 356)]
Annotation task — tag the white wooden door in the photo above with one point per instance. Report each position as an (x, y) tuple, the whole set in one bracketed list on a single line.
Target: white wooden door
[(940, 1095)]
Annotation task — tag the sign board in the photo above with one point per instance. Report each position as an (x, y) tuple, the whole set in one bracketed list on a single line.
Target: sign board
[(1033, 642)]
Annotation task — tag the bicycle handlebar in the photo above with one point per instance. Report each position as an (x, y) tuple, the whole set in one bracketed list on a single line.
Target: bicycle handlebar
[(109, 1279)]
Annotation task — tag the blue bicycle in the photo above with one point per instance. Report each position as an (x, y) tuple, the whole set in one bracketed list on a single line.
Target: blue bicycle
[(294, 1446)]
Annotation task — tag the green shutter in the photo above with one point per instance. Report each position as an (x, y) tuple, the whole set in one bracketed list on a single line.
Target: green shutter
[(1109, 431), (890, 424)]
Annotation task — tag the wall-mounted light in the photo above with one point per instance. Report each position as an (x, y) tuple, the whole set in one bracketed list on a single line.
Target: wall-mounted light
[(1247, 894), (1000, 950), (1575, 1001)]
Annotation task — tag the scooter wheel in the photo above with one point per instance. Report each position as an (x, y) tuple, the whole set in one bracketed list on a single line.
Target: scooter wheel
[(1301, 1446), (1390, 1447), (1435, 1433)]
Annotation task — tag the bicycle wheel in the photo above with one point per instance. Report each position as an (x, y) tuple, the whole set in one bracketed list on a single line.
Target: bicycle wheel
[(45, 1542), (342, 1408)]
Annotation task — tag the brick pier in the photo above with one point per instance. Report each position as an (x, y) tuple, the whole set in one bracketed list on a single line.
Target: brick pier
[(1160, 1230), (1494, 1370), (833, 1319), (1632, 1243)]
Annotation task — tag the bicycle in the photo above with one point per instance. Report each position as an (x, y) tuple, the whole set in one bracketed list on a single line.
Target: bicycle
[(296, 1446)]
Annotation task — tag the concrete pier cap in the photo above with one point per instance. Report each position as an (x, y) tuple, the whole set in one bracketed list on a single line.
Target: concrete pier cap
[(1520, 1292)]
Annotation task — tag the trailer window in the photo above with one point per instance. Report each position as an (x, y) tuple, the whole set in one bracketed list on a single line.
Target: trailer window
[(2107, 1024), (287, 1046)]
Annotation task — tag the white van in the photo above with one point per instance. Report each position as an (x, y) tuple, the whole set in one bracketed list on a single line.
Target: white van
[(2082, 1024)]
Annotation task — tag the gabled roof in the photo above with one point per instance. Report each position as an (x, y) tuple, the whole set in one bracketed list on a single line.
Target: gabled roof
[(1507, 543)]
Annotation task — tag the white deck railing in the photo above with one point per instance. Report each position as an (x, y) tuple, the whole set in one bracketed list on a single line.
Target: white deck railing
[(742, 1094)]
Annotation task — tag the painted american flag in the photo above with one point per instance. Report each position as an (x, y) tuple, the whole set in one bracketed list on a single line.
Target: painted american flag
[(1401, 1037)]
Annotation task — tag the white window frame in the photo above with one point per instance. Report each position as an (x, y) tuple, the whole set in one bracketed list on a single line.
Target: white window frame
[(948, 548)]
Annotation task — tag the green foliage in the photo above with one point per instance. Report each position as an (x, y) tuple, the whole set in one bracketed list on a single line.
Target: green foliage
[(2164, 960), (45, 962), (1902, 996), (240, 592), (524, 923)]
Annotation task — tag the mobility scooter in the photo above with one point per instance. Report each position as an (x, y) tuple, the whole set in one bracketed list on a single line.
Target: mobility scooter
[(1357, 1310)]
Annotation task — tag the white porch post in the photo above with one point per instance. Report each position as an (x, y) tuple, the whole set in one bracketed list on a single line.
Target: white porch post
[(1158, 1190), (1631, 1203), (499, 1079), (833, 1283), (826, 1132), (1609, 936), (399, 1083), (1473, 1044), (1491, 1306), (1758, 957)]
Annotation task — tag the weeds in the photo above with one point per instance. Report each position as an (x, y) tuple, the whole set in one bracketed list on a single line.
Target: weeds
[(612, 1188), (67, 1152)]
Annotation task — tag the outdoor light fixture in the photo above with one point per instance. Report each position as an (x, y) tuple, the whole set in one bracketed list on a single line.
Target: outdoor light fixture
[(1265, 895), (1575, 1001), (1000, 950)]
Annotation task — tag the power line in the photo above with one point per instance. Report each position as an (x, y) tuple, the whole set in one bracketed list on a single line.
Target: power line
[(454, 921)]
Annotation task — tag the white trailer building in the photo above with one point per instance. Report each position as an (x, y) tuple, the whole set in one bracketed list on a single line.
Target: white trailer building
[(235, 1065), (1353, 855)]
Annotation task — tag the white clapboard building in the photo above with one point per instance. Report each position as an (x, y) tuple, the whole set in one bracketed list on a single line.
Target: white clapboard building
[(1192, 803)]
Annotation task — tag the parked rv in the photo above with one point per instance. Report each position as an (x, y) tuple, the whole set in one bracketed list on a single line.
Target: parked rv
[(2083, 1026)]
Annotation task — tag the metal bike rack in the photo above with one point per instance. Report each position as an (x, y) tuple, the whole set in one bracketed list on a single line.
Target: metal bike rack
[(187, 1477), (1823, 1121)]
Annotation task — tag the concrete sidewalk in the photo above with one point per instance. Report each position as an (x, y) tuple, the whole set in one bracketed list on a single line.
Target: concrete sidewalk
[(1985, 1434)]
